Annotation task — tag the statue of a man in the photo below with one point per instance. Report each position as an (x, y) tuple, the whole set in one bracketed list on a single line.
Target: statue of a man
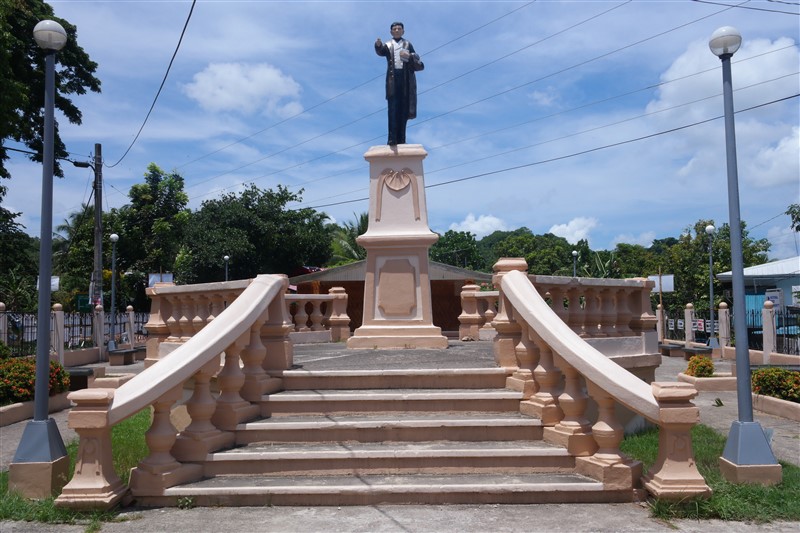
[(401, 82)]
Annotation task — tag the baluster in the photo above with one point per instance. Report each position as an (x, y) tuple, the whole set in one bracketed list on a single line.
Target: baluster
[(217, 306), (591, 326), (201, 437), (185, 322), (174, 316), (275, 334), (200, 312), (255, 378), (557, 297), (576, 314), (608, 316), (643, 319), (160, 470), (316, 315), (490, 313), (527, 358), (544, 404), (608, 465), (573, 431), (339, 321), (301, 316), (624, 313), (231, 407)]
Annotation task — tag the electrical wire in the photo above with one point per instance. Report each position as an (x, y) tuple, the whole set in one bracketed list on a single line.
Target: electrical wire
[(740, 6), (158, 93)]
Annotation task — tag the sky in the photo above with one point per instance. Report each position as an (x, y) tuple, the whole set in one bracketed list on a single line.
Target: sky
[(587, 119)]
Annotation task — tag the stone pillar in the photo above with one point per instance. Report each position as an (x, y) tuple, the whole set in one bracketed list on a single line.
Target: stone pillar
[(724, 321), (688, 323), (768, 331), (57, 333), (660, 323), (397, 289)]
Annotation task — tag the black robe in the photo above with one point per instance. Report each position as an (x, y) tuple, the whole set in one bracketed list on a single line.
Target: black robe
[(411, 66)]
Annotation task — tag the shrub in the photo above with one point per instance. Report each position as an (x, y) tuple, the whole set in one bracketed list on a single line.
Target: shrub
[(777, 382), (5, 351), (700, 366), (18, 378)]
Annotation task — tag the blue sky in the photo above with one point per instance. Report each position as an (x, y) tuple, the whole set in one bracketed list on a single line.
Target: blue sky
[(546, 99)]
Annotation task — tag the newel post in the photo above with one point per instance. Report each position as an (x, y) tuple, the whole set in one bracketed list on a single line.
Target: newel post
[(469, 321), (688, 322), (674, 476), (338, 321), (95, 484), (508, 331)]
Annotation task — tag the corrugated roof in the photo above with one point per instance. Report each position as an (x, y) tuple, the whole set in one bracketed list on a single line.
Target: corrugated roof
[(357, 272), (785, 268)]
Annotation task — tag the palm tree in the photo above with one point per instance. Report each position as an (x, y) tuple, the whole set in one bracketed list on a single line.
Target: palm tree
[(345, 248)]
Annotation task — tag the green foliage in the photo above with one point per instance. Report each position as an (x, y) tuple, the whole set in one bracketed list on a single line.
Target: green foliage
[(794, 213), (345, 249), (22, 72), (729, 501), (777, 382), (700, 366), (18, 291), (5, 351), (458, 248), (257, 231), (18, 378)]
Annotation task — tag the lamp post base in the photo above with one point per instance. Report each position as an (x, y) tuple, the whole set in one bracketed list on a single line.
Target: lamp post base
[(40, 466), (747, 457)]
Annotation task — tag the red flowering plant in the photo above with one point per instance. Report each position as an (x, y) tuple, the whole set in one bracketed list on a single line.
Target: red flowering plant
[(777, 382), (18, 379)]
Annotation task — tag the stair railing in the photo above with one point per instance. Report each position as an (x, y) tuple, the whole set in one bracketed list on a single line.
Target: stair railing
[(250, 327), (559, 371)]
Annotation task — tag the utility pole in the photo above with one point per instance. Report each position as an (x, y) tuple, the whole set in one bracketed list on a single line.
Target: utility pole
[(96, 282)]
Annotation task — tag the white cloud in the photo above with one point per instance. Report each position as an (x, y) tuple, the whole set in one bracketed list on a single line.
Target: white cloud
[(245, 88), (778, 164), (574, 230), (481, 226), (785, 242), (644, 239)]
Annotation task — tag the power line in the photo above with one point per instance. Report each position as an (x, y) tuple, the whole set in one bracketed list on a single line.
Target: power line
[(740, 6), (331, 99), (571, 155), (465, 106), (158, 93)]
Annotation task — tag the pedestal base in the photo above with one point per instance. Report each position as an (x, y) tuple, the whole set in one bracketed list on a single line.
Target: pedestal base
[(397, 337)]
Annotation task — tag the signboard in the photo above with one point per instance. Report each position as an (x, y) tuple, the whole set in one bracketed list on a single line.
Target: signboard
[(680, 324), (776, 297), (667, 283), (671, 324), (159, 277), (82, 303), (698, 325)]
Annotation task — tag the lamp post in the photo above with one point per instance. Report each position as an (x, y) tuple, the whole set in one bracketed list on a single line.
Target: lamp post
[(747, 445), (41, 442), (712, 338), (574, 263), (112, 342), (226, 259)]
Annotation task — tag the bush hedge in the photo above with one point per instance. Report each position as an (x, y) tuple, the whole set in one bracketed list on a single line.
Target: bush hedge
[(777, 382), (18, 378), (700, 366), (5, 351)]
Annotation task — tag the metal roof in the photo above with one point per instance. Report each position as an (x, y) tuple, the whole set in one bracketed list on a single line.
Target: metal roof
[(782, 269), (357, 272)]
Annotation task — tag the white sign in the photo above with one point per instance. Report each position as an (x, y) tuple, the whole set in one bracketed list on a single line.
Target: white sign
[(162, 277), (680, 324), (671, 324), (666, 284)]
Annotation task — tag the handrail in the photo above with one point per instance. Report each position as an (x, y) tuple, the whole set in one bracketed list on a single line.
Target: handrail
[(190, 357), (530, 307)]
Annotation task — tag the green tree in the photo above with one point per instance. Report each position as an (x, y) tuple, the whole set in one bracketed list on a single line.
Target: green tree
[(794, 212), (345, 248), (22, 72), (545, 254), (458, 248), (487, 245), (151, 227), (257, 231)]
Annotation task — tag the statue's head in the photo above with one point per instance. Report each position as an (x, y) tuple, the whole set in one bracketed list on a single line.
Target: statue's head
[(397, 30)]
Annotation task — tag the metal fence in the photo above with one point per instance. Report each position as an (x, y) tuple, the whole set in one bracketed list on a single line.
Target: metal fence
[(21, 333), (787, 328)]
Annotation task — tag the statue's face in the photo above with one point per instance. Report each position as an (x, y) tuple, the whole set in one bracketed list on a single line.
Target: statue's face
[(397, 31)]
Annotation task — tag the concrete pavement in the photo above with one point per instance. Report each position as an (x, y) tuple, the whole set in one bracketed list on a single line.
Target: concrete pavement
[(455, 518)]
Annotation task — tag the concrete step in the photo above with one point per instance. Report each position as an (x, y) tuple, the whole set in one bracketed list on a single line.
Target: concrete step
[(412, 427), (356, 458), (434, 378), (392, 400), (396, 489)]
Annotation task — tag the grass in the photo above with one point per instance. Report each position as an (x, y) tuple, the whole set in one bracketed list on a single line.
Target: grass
[(128, 447), (749, 503)]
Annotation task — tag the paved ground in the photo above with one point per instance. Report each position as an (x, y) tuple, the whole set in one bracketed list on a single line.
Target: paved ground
[(414, 518)]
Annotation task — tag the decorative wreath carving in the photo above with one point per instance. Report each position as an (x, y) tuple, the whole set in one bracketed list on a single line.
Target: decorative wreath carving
[(397, 180)]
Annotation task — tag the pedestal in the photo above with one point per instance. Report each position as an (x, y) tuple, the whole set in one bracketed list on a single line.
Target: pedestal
[(397, 290)]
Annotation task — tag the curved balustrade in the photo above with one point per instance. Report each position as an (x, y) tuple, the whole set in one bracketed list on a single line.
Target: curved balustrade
[(560, 371), (321, 312), (478, 309), (252, 328)]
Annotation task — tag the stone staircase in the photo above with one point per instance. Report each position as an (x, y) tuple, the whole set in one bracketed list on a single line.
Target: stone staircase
[(427, 436)]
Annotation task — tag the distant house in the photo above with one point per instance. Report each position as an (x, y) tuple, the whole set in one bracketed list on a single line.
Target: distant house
[(778, 279), (446, 283)]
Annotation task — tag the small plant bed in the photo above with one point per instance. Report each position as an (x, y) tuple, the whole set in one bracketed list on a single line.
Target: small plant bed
[(745, 503), (700, 373), (128, 446)]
